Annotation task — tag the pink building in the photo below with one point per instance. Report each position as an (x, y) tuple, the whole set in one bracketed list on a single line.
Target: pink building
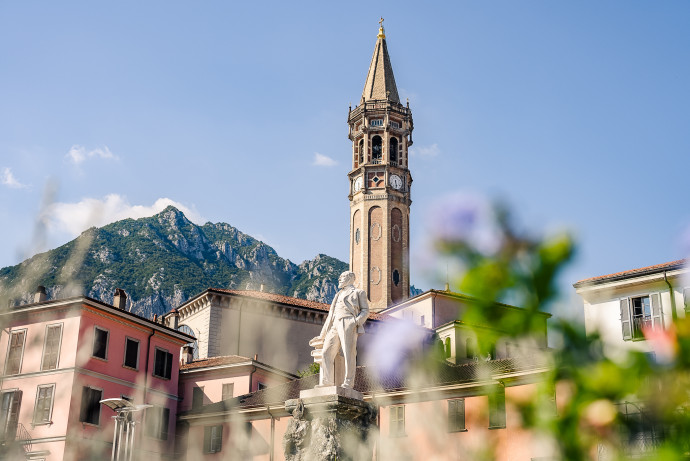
[(218, 379), (63, 356), (460, 412)]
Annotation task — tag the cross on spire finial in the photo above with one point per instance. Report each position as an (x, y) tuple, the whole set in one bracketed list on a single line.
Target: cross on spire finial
[(382, 34)]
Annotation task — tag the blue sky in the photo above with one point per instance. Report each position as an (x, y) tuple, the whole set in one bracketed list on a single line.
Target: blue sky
[(574, 113)]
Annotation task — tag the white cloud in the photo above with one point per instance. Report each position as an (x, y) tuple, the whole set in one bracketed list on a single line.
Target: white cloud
[(78, 154), (323, 160), (75, 218), (425, 151), (7, 179)]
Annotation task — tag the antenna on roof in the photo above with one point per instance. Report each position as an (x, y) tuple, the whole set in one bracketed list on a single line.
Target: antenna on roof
[(447, 284)]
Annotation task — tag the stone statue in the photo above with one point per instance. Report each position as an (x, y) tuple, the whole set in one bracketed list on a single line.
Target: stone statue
[(345, 322)]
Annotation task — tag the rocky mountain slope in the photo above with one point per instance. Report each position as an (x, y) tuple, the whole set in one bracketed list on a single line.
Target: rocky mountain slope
[(163, 260)]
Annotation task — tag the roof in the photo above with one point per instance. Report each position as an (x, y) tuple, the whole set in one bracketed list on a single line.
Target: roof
[(673, 265), (222, 361), (452, 294), (100, 305), (380, 83), (215, 362), (288, 300), (367, 382)]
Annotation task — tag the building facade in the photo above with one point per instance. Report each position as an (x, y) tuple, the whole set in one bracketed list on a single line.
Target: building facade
[(62, 357), (620, 307), (274, 328)]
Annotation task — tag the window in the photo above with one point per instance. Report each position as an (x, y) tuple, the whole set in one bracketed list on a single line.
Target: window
[(100, 343), (197, 397), (260, 386), (471, 348), (228, 390), (131, 353), (393, 154), (157, 421), (44, 404), (397, 421), (9, 414), (456, 415), (361, 151), (640, 313), (497, 409), (421, 321), (15, 352), (396, 277), (162, 365), (643, 433), (51, 347), (91, 406), (213, 439), (377, 122), (376, 149), (446, 347), (395, 124)]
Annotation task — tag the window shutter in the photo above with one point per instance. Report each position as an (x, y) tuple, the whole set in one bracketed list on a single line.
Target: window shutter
[(207, 439), (218, 438), (626, 323), (168, 365), (657, 312), (13, 416), (85, 402), (165, 422)]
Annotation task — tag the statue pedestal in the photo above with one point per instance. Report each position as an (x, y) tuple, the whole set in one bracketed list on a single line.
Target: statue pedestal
[(330, 423)]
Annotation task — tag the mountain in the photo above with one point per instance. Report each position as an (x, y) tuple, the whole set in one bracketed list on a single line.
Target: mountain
[(162, 261)]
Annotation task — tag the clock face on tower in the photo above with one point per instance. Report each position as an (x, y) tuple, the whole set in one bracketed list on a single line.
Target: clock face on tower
[(396, 182), (357, 184)]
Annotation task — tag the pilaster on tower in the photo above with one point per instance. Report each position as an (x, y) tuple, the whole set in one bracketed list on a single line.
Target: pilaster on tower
[(380, 184)]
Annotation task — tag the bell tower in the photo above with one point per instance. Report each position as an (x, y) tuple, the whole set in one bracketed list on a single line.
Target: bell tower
[(381, 133)]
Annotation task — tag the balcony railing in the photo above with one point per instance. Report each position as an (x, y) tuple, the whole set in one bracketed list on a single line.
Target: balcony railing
[(24, 437), (639, 325)]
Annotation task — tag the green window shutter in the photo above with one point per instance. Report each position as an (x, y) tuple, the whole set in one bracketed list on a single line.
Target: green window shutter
[(626, 322), (657, 311), (207, 438)]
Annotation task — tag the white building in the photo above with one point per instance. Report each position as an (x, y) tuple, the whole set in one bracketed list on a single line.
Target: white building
[(621, 306)]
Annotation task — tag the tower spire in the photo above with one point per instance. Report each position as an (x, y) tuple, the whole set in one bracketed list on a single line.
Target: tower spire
[(380, 82)]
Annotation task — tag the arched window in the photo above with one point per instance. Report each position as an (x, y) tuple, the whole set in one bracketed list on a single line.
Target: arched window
[(376, 149), (361, 151), (396, 277), (393, 154), (446, 344), (194, 344)]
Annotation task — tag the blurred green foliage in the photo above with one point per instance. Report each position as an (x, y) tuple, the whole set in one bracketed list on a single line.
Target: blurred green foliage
[(629, 405)]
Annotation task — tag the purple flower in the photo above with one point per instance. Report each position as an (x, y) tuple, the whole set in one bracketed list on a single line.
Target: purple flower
[(468, 219)]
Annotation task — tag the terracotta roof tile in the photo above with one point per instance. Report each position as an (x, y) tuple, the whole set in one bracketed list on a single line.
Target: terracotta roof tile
[(215, 361), (633, 272), (272, 297)]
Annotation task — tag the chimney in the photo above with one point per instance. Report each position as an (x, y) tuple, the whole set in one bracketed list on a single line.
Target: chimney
[(174, 319), (262, 288), (120, 299), (256, 357), (40, 294), (187, 355)]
